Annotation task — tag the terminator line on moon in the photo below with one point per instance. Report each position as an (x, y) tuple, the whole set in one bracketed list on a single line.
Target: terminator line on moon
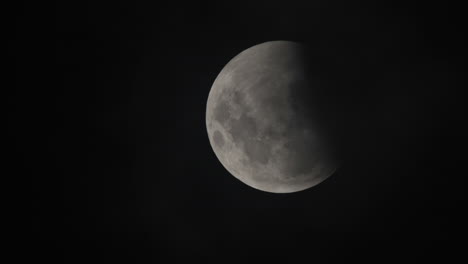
[(259, 124)]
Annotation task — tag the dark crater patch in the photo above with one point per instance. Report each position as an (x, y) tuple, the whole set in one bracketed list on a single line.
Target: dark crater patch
[(257, 151), (221, 112), (238, 98), (243, 128), (218, 139), (245, 132)]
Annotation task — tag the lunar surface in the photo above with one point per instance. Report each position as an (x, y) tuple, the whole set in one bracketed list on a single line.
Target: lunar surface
[(260, 123)]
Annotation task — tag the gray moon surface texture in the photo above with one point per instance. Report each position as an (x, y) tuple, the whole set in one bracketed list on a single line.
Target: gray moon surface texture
[(259, 125)]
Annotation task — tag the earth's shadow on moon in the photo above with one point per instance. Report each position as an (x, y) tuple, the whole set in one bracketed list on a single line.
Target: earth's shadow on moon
[(339, 105)]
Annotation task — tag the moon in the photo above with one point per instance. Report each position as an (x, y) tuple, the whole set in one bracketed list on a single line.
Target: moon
[(261, 125)]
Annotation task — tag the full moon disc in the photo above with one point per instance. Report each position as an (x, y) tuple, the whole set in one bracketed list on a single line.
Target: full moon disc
[(261, 125)]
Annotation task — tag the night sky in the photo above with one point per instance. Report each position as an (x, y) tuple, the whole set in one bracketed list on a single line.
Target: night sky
[(106, 121)]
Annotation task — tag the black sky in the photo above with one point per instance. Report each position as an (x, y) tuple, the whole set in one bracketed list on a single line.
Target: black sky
[(106, 120)]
